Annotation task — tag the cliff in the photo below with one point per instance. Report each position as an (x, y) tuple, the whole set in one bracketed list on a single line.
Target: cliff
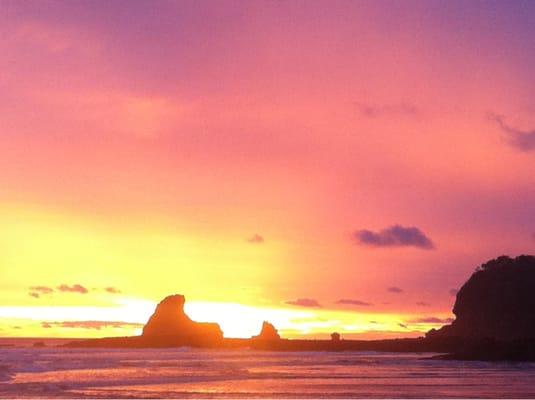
[(497, 302)]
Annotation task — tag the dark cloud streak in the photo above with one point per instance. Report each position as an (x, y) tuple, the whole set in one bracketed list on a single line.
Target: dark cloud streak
[(76, 288), (303, 302), (381, 110), (520, 139), (431, 320), (38, 291), (256, 239), (354, 302), (422, 304), (394, 236), (98, 325)]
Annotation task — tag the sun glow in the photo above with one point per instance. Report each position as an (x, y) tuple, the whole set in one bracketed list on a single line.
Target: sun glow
[(128, 315), (241, 321)]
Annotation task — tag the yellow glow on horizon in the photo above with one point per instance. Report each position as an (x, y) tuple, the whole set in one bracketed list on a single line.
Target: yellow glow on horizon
[(46, 248), (225, 279), (235, 320)]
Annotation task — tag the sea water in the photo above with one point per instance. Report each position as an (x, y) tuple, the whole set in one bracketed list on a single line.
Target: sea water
[(55, 372)]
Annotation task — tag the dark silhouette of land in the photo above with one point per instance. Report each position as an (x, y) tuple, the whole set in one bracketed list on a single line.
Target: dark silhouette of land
[(495, 320), (494, 313), (498, 301)]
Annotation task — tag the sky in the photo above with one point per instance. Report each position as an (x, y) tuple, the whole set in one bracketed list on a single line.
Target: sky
[(325, 165)]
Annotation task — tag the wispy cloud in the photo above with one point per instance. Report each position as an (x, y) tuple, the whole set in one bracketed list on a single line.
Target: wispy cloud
[(256, 239), (431, 320), (523, 140), (422, 304), (395, 289), (394, 236), (37, 291), (392, 109), (304, 302), (98, 325), (41, 289), (354, 302), (76, 288)]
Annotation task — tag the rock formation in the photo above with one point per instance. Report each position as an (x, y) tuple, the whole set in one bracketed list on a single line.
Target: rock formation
[(170, 323), (268, 332), (497, 302)]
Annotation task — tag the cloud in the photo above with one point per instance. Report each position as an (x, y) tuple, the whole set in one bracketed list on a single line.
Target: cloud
[(304, 303), (520, 139), (422, 304), (256, 239), (453, 292), (98, 325), (380, 110), (41, 289), (37, 291), (394, 236), (402, 325), (431, 320), (76, 288), (354, 302), (394, 289)]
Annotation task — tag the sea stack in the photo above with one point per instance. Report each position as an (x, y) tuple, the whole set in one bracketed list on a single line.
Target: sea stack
[(169, 324), (497, 302), (268, 332)]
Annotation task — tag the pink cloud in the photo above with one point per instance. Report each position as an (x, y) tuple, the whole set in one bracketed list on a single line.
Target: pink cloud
[(304, 302), (98, 325), (76, 288), (41, 289), (256, 239)]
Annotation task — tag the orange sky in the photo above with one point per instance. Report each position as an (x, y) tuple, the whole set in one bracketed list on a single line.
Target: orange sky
[(266, 159)]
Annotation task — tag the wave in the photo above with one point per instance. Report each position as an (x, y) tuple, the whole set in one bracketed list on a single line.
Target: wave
[(58, 372)]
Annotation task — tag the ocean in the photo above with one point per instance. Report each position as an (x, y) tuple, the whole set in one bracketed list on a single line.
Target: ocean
[(54, 372)]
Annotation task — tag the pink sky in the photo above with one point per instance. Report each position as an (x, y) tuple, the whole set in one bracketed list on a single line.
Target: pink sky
[(143, 144)]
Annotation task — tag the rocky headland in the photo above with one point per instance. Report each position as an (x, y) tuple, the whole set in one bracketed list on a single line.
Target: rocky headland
[(494, 312)]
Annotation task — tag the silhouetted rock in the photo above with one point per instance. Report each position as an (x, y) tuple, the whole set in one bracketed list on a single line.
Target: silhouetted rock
[(170, 321), (268, 332), (497, 302)]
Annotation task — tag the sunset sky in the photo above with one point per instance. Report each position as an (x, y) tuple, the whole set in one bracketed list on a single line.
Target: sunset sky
[(323, 165)]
